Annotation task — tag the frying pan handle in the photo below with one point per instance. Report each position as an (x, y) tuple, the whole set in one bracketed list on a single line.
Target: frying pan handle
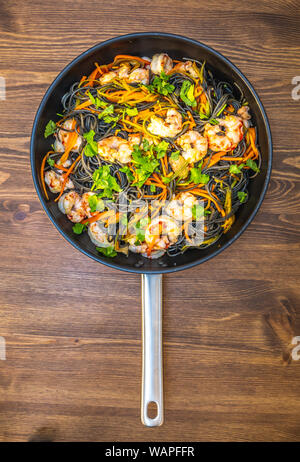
[(152, 383)]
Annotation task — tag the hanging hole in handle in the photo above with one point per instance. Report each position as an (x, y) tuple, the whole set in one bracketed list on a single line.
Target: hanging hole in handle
[(152, 410)]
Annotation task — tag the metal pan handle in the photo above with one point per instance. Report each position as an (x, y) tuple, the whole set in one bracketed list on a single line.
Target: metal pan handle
[(152, 382)]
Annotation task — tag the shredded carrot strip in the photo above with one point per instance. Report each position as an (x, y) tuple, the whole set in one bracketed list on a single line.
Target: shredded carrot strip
[(42, 173), (97, 217), (70, 143), (66, 175), (83, 105), (137, 58), (191, 118), (91, 78)]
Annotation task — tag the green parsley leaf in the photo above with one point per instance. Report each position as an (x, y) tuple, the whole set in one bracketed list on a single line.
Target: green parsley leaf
[(128, 172), (91, 148), (100, 103), (108, 119), (175, 155), (152, 188), (105, 181), (91, 98), (236, 168), (198, 177), (108, 110), (132, 112), (187, 93), (107, 251), (50, 128), (161, 149), (253, 165), (242, 196), (145, 165), (161, 85), (197, 211), (146, 145), (96, 204), (78, 228), (50, 161)]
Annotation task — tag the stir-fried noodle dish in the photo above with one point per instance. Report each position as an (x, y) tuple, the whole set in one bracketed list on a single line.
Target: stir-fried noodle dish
[(151, 156)]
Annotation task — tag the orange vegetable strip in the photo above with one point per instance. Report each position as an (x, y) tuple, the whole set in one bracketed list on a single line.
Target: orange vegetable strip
[(70, 144), (42, 173), (83, 105), (66, 175), (137, 58)]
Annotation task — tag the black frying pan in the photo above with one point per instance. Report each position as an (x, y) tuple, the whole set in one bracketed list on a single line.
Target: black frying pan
[(147, 44)]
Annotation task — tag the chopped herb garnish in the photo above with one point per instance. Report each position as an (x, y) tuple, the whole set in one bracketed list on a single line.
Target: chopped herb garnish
[(187, 93), (108, 110), (146, 145), (128, 173), (96, 204), (242, 196), (152, 188), (50, 161), (105, 181), (197, 211), (198, 177), (100, 103), (161, 85), (91, 98), (161, 149), (253, 165), (108, 119), (175, 155), (91, 148), (145, 165), (50, 128), (78, 228), (236, 168), (107, 251)]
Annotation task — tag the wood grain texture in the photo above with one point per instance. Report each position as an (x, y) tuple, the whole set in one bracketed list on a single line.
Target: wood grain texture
[(72, 326)]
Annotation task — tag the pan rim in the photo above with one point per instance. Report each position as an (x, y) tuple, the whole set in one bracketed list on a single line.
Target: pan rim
[(111, 263)]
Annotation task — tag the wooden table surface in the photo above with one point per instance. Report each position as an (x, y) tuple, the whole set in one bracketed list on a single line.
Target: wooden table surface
[(72, 326)]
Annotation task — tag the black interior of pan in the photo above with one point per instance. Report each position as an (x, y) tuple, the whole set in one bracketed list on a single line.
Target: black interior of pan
[(146, 45)]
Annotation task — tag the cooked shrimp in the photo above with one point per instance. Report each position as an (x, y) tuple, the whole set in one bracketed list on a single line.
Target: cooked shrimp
[(181, 208), (58, 146), (161, 232), (63, 136), (97, 235), (226, 135), (243, 112), (136, 138), (139, 76), (194, 146), (168, 127), (145, 251), (186, 67), (115, 148), (179, 165), (55, 181), (85, 204), (108, 77), (71, 205), (161, 62)]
